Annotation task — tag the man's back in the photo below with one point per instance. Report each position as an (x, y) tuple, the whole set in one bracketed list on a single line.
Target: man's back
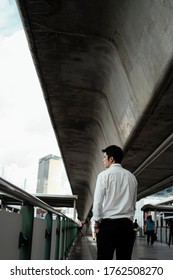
[(118, 188), (150, 224)]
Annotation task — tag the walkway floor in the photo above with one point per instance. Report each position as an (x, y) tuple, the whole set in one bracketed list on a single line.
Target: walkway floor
[(85, 249)]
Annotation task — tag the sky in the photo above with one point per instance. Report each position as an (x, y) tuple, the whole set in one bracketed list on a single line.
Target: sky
[(26, 133)]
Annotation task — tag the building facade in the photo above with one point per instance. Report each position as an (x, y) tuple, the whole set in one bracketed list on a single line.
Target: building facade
[(50, 170)]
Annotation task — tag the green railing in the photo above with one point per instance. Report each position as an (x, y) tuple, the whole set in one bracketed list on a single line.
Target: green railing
[(24, 235)]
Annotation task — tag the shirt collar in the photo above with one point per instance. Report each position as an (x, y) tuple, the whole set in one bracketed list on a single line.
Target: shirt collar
[(115, 164)]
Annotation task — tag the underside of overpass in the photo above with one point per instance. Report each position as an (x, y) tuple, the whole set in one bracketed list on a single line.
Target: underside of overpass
[(106, 71)]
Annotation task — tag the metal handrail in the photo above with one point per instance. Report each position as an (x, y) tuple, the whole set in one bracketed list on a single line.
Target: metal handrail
[(14, 191)]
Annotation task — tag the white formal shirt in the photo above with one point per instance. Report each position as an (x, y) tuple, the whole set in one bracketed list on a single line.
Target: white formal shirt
[(115, 194)]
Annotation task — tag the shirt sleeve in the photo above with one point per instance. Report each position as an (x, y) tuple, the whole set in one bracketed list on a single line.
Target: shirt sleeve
[(99, 197), (135, 197)]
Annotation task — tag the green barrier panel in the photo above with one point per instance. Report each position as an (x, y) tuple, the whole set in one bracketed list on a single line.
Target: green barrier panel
[(48, 235), (69, 236), (61, 249), (57, 248), (66, 233), (65, 239), (25, 238), (71, 233)]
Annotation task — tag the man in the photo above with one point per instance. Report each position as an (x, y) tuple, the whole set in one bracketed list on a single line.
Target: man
[(114, 207)]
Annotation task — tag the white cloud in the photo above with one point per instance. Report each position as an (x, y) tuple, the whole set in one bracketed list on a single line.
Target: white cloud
[(25, 127), (9, 18), (26, 131)]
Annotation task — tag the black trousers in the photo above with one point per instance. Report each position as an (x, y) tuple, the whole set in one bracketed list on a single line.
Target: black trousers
[(150, 236), (115, 234)]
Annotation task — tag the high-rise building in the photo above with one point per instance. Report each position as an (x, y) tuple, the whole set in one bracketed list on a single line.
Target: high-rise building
[(50, 175)]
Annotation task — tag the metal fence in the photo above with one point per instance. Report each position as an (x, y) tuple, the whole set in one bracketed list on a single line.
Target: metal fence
[(24, 235)]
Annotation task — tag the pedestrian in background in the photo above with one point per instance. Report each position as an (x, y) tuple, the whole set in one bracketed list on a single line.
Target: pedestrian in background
[(150, 230), (114, 207)]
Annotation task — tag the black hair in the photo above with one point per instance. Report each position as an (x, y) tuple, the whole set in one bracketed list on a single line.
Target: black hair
[(115, 152)]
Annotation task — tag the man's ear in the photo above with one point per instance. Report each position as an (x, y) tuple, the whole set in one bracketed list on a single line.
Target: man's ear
[(112, 159)]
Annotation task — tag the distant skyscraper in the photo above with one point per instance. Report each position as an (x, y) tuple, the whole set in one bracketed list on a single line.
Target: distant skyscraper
[(14, 174), (49, 175)]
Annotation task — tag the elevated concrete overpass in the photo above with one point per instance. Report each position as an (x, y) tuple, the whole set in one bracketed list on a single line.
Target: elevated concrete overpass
[(106, 70)]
